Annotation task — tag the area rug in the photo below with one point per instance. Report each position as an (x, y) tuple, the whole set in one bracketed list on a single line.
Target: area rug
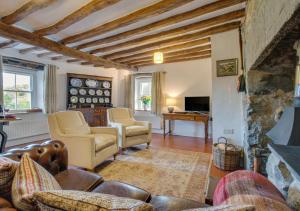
[(161, 171)]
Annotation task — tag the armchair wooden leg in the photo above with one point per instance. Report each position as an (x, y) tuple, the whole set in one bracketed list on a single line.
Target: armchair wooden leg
[(91, 170), (115, 156), (148, 145)]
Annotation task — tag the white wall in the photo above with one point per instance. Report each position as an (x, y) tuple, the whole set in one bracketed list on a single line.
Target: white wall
[(226, 101), (191, 78), (20, 132)]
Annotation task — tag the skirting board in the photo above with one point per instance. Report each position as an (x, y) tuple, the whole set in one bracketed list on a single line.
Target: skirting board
[(27, 140)]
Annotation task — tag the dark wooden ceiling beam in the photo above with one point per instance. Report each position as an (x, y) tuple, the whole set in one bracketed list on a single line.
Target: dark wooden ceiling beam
[(173, 48), (25, 10), (212, 7), (176, 40), (73, 60), (55, 58), (27, 50), (174, 32), (183, 59), (76, 16), (188, 52), (147, 12), (41, 55), (21, 35)]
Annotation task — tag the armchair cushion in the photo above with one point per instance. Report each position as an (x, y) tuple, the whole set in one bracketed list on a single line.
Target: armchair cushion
[(136, 130), (72, 122), (104, 140)]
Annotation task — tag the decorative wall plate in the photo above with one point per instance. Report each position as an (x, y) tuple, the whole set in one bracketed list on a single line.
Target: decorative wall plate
[(92, 92), (106, 84), (74, 99), (76, 82), (88, 100), (107, 93), (82, 91), (101, 100), (99, 92), (81, 100), (95, 100), (106, 100), (91, 83), (73, 91)]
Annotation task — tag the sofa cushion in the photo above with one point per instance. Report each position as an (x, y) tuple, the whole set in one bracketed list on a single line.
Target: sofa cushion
[(72, 122), (8, 169), (226, 207), (29, 178), (79, 200), (169, 203), (122, 189), (76, 179), (104, 140), (136, 130)]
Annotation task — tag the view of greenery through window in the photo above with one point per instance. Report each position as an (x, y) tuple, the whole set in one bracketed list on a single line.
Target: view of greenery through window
[(17, 91)]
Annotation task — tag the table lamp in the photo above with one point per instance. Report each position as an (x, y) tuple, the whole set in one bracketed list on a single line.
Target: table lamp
[(171, 102)]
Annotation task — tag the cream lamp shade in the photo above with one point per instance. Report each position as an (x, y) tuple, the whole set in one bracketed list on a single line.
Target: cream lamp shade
[(158, 57), (171, 102)]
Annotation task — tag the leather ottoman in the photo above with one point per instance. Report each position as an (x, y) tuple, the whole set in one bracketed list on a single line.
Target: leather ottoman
[(122, 189), (169, 203)]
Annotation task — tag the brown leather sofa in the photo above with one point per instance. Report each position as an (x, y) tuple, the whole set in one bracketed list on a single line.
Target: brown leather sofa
[(53, 156)]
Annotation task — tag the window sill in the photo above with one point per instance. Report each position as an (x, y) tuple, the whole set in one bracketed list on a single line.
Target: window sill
[(28, 111)]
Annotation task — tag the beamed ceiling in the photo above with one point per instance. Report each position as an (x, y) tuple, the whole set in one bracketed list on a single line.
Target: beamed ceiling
[(121, 34)]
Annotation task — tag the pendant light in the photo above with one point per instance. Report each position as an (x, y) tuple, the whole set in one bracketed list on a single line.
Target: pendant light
[(158, 57)]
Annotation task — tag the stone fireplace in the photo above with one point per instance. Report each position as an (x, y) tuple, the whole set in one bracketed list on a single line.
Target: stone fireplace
[(270, 31)]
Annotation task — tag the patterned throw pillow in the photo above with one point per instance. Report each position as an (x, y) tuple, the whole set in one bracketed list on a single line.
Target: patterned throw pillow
[(29, 178), (79, 200), (8, 169), (228, 207)]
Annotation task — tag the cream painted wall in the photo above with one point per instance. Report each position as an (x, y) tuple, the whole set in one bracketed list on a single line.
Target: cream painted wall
[(38, 122), (192, 78), (227, 110)]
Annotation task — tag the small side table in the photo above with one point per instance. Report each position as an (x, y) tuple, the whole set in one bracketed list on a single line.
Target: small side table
[(3, 122)]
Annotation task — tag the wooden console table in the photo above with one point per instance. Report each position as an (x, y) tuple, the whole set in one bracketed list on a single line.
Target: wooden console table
[(185, 116)]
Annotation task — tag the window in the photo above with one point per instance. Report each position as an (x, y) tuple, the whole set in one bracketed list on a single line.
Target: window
[(143, 93), (17, 91)]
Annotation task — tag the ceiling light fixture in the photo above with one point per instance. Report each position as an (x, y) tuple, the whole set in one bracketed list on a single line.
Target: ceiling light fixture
[(158, 57)]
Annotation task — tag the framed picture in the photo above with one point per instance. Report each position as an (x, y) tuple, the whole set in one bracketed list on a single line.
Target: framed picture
[(227, 67)]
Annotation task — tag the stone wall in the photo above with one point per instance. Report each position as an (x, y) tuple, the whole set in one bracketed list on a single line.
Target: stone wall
[(269, 33)]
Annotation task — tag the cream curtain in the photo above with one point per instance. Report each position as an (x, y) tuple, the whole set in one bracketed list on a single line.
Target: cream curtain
[(129, 91), (158, 93), (50, 89), (1, 81)]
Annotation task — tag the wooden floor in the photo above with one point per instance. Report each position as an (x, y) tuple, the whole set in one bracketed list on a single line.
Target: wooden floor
[(177, 142)]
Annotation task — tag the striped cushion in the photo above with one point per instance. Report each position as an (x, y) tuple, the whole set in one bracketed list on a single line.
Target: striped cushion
[(8, 169), (29, 178)]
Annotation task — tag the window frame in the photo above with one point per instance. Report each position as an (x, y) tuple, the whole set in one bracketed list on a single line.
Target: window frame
[(33, 82), (135, 92)]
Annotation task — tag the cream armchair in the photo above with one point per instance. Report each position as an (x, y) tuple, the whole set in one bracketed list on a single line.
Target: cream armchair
[(131, 132), (87, 146)]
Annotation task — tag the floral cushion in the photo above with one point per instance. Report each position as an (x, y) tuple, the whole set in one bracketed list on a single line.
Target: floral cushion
[(8, 169), (79, 200), (29, 178)]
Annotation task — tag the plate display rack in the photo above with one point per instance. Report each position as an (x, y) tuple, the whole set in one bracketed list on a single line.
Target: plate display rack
[(88, 91)]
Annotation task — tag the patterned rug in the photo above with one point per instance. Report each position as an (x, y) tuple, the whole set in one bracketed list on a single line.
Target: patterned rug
[(161, 171)]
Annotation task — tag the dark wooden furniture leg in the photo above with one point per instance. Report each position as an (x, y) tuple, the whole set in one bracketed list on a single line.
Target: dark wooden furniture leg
[(3, 139), (170, 126), (206, 131), (164, 126)]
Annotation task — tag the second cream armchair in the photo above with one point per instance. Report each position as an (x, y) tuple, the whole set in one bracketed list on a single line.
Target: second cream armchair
[(131, 132), (87, 146)]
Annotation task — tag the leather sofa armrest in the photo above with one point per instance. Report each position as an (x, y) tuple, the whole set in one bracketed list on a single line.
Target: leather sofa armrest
[(6, 205)]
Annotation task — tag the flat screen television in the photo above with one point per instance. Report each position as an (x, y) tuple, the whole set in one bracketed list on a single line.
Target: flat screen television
[(197, 104)]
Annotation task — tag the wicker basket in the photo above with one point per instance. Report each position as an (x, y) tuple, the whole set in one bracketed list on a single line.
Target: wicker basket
[(226, 156)]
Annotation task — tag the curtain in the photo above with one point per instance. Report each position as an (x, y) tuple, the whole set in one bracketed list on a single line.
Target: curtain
[(129, 91), (50, 89), (158, 93), (1, 81)]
